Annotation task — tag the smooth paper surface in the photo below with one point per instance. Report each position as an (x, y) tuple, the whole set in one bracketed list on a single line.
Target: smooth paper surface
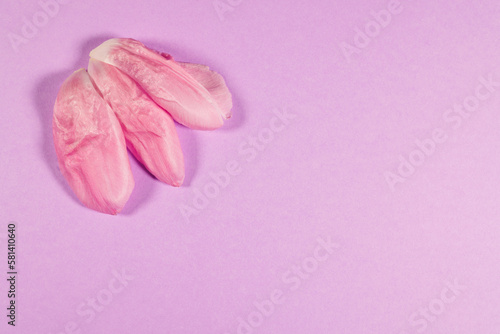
[(355, 189)]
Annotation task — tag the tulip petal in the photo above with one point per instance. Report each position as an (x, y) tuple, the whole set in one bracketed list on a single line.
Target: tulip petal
[(149, 131), (90, 146), (213, 82), (165, 81)]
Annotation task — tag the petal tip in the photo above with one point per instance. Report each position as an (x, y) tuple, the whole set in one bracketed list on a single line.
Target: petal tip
[(178, 182), (101, 52)]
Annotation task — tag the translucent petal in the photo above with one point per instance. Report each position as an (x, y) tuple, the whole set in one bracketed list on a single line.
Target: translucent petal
[(165, 81), (90, 146), (149, 131)]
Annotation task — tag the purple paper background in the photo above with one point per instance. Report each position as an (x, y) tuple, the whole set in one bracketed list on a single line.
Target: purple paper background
[(322, 176)]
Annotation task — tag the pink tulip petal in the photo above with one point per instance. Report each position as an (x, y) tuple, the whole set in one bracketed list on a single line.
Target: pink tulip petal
[(165, 81), (213, 82), (149, 131), (90, 146)]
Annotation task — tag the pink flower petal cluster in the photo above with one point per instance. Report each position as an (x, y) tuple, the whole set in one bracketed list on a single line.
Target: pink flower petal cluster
[(130, 97)]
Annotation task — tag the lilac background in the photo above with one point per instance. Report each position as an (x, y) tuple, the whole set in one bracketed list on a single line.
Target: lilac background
[(322, 176)]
